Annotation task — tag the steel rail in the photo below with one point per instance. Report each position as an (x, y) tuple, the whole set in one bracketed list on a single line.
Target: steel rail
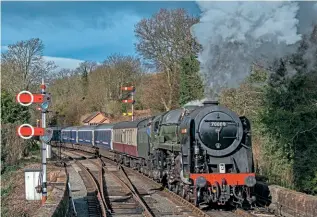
[(97, 187), (130, 187), (103, 206)]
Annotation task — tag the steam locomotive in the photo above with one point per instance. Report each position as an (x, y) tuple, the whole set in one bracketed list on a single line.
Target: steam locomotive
[(203, 153)]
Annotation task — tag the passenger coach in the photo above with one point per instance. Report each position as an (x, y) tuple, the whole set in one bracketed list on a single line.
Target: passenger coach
[(125, 137), (103, 136), (86, 135), (69, 135)]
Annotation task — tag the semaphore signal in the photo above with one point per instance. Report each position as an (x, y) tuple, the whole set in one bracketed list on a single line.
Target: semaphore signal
[(26, 131), (131, 89)]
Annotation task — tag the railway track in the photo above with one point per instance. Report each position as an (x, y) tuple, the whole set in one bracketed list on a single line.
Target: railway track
[(96, 205), (119, 180), (93, 181), (125, 198)]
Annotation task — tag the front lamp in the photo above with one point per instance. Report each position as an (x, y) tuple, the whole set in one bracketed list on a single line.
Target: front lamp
[(201, 182), (250, 181)]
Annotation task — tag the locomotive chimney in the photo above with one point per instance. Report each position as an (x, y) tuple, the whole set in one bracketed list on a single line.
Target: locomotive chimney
[(208, 103)]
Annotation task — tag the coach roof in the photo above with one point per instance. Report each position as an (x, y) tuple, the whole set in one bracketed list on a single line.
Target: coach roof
[(86, 128), (128, 124), (69, 128), (104, 126)]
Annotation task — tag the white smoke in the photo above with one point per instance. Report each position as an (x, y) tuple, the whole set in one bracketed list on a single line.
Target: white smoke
[(234, 35), (195, 102)]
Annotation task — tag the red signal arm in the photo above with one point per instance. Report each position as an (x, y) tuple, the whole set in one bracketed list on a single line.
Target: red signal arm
[(127, 88), (26, 131), (128, 101), (26, 98)]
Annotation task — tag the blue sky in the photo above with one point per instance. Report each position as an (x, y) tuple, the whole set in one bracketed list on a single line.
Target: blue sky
[(75, 31)]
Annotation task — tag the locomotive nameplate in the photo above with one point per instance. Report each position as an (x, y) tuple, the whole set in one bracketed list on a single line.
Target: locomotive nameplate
[(217, 124)]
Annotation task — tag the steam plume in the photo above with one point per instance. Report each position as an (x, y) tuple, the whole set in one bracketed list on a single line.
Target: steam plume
[(234, 35)]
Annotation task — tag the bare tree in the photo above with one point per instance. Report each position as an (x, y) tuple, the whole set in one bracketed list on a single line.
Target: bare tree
[(23, 65), (121, 70), (86, 67), (104, 87), (155, 92), (164, 39), (83, 70)]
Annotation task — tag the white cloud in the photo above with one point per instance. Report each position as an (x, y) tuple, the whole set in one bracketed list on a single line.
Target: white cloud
[(64, 63), (60, 62), (4, 48)]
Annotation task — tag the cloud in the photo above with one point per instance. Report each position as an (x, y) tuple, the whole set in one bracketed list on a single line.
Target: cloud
[(64, 63), (60, 62), (4, 48)]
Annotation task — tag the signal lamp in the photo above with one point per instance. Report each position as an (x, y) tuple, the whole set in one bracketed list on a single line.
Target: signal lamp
[(44, 106), (46, 102)]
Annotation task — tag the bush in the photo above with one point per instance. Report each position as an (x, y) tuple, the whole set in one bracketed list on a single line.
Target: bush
[(12, 146), (283, 114)]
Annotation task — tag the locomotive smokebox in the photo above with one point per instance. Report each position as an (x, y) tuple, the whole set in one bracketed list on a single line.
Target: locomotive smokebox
[(211, 102)]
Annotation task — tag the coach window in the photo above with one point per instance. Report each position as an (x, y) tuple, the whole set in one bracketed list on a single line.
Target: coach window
[(128, 136), (156, 126)]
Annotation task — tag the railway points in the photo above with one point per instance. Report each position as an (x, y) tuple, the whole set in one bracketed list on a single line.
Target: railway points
[(124, 188)]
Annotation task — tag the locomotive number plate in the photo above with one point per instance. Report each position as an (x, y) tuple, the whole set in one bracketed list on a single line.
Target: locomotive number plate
[(217, 124)]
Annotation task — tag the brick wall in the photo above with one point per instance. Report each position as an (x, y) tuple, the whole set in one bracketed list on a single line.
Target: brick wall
[(287, 202)]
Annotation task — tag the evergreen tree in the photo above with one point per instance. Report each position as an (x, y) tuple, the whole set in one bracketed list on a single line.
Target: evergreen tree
[(191, 85), (290, 117), (11, 111)]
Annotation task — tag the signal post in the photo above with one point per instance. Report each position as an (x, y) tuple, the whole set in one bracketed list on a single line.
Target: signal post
[(26, 131), (131, 90)]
